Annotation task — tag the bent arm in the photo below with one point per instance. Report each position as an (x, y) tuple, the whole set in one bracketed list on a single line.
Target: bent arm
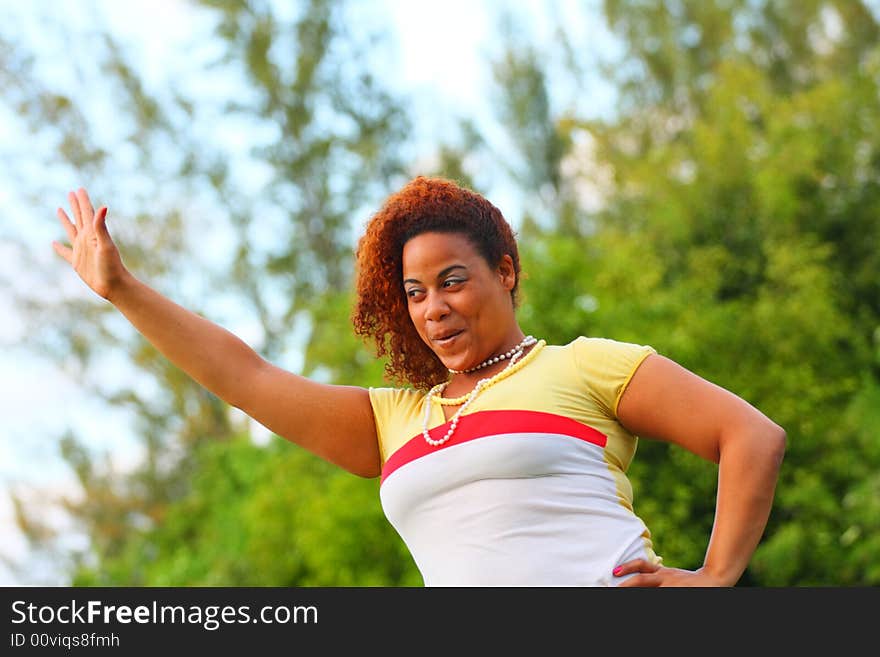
[(334, 422), (208, 353), (665, 401)]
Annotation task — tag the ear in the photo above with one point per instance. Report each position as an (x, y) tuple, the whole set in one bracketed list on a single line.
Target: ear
[(506, 272)]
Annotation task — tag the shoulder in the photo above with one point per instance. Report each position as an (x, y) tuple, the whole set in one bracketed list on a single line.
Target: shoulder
[(604, 349), (392, 399), (395, 406), (397, 413), (607, 365), (598, 344), (589, 352)]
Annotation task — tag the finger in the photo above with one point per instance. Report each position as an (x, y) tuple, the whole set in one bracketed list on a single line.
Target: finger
[(63, 251), (100, 225), (635, 566), (629, 582), (69, 228), (85, 205), (643, 580), (74, 207)]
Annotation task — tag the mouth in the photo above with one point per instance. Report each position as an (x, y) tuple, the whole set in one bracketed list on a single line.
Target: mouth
[(446, 339)]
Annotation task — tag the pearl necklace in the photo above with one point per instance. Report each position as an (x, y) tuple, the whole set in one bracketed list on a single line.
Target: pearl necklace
[(527, 341), (514, 354)]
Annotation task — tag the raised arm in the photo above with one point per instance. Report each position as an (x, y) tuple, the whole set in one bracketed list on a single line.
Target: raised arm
[(665, 401), (334, 422)]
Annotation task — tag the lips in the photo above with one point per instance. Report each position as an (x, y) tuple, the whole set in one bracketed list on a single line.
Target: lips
[(446, 337)]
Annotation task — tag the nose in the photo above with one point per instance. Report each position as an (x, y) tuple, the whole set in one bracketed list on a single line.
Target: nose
[(436, 307)]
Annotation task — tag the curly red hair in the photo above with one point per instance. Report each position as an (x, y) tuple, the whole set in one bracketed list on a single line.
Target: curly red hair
[(422, 205)]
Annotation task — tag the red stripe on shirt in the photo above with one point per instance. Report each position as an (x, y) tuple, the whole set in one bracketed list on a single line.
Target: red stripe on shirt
[(492, 423)]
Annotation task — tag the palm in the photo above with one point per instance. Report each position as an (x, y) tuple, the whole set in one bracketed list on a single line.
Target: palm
[(92, 253)]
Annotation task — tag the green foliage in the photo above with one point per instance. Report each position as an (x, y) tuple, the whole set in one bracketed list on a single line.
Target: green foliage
[(263, 516), (335, 134), (728, 215), (739, 238)]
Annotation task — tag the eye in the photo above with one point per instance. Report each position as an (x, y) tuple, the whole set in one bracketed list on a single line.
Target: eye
[(452, 281), (413, 292)]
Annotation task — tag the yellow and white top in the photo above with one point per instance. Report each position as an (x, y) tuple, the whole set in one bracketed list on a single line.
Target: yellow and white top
[(531, 489)]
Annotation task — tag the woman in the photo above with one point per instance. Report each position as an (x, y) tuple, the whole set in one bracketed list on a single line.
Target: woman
[(503, 461)]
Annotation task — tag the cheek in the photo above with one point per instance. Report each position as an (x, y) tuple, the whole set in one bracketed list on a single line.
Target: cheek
[(414, 318)]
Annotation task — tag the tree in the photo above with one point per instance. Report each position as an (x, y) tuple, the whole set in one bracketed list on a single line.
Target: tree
[(726, 214), (739, 183), (330, 149)]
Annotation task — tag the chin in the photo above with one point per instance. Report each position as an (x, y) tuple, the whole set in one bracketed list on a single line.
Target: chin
[(448, 362), (460, 363), (454, 359)]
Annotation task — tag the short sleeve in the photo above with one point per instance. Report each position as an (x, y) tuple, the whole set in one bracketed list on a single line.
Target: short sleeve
[(393, 410), (607, 366)]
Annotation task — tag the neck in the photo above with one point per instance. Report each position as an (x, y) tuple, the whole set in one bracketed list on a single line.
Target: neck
[(518, 343)]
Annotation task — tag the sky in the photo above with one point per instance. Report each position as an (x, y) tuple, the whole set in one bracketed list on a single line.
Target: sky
[(441, 50)]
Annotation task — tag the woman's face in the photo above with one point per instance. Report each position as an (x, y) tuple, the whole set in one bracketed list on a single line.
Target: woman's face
[(460, 306)]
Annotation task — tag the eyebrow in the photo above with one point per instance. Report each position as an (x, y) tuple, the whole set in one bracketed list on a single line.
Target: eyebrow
[(440, 275)]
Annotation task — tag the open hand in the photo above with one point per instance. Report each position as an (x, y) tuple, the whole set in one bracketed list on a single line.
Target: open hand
[(92, 253)]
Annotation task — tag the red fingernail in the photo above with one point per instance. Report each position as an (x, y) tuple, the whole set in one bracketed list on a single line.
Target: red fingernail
[(617, 570)]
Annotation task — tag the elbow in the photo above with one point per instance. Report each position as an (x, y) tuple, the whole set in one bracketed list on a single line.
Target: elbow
[(769, 442), (244, 390), (776, 439), (370, 473), (362, 470), (758, 441)]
